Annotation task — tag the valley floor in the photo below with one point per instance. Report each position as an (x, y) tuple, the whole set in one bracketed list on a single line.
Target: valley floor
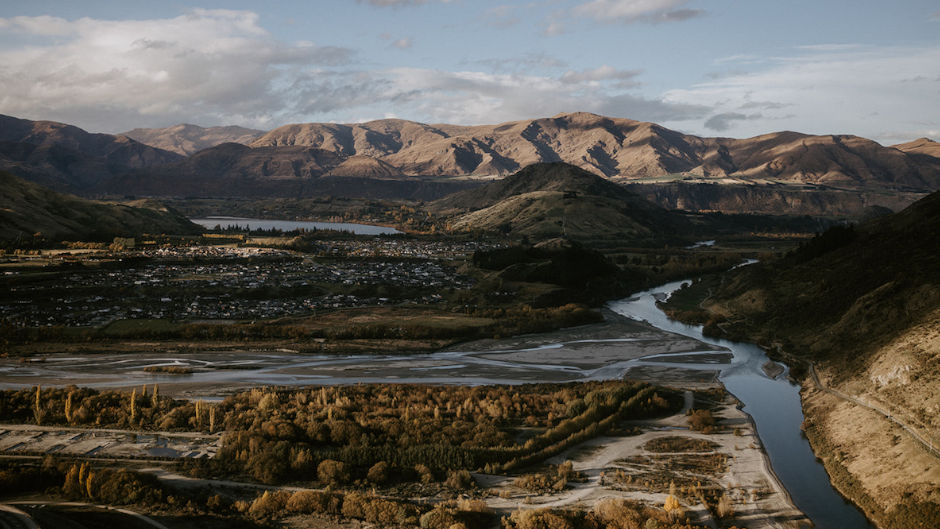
[(622, 464)]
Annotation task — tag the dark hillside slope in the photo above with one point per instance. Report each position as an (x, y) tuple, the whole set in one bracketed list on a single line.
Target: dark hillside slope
[(27, 209), (847, 288), (68, 158)]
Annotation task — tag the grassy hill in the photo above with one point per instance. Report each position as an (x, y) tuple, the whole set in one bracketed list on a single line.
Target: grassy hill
[(863, 303), (27, 209), (549, 200)]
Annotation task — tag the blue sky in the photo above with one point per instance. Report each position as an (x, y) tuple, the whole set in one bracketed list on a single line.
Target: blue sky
[(717, 68)]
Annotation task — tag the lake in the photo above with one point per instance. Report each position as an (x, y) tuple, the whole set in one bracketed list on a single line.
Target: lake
[(291, 225)]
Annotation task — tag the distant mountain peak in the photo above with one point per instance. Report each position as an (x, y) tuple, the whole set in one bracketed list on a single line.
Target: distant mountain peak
[(187, 139)]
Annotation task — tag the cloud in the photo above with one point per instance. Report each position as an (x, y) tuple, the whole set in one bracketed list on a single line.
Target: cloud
[(723, 122), (221, 67), (476, 97), (397, 3), (40, 25), (741, 58), (829, 47), (767, 105), (628, 11), (209, 65), (392, 3), (522, 64), (625, 78), (402, 44), (824, 91), (553, 29)]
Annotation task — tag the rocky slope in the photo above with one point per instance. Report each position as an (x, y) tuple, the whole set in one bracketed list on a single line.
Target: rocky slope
[(549, 200), (30, 212), (186, 139), (864, 304), (68, 158)]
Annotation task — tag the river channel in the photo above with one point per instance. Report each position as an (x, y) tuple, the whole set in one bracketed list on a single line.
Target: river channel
[(774, 404)]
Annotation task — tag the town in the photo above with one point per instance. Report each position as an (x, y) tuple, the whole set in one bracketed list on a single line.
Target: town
[(228, 282)]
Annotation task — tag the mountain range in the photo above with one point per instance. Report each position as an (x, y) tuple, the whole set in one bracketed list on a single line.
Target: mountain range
[(395, 158), (614, 148)]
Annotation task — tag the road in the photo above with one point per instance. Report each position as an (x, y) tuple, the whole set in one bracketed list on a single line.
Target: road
[(78, 429), (13, 518), (926, 443), (145, 520)]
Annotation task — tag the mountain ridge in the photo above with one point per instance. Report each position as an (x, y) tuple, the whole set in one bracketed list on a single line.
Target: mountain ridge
[(614, 148), (187, 139)]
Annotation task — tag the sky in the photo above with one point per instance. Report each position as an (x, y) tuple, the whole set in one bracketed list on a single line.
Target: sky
[(734, 68)]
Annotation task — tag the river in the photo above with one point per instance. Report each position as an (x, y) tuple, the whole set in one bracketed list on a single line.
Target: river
[(775, 406), (290, 225)]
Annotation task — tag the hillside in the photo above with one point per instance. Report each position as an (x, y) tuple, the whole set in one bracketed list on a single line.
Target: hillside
[(550, 200), (27, 209), (864, 303), (186, 139), (68, 158)]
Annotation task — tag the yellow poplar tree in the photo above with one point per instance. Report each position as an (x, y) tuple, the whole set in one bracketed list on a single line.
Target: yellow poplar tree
[(133, 404), (37, 411), (68, 407)]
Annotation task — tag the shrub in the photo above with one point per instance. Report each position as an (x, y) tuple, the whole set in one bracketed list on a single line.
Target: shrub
[(378, 474), (332, 472), (459, 480), (268, 504), (702, 421)]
